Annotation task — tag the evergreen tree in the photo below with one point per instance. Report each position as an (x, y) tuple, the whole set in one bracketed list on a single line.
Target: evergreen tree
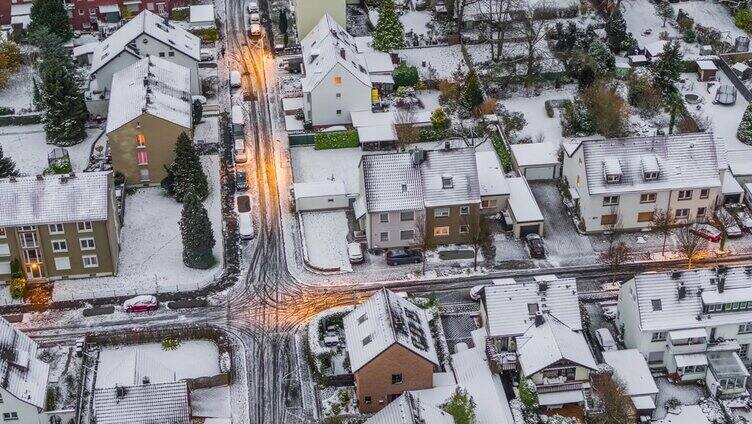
[(283, 21), (198, 112), (389, 34), (440, 120), (616, 32), (744, 133), (36, 96), (471, 95), (187, 171), (65, 111), (168, 182), (666, 70), (604, 59), (197, 234), (7, 166), (51, 14)]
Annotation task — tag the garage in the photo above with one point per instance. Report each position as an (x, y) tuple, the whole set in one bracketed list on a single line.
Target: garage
[(536, 161), (529, 229), (533, 173), (522, 210)]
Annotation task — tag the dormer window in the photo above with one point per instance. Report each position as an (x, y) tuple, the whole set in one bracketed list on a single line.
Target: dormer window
[(613, 178), (651, 176), (447, 182), (651, 169), (612, 170)]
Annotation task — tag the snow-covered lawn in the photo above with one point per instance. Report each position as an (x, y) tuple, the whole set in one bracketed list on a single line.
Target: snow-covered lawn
[(325, 239), (641, 17), (192, 359), (310, 165), (207, 131), (151, 248), (416, 22), (538, 122), (434, 62), (430, 99), (27, 146), (712, 14), (211, 403), (18, 93)]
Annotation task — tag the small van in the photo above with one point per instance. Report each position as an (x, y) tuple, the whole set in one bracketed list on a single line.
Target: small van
[(255, 30), (235, 79), (240, 156), (245, 226), (252, 6)]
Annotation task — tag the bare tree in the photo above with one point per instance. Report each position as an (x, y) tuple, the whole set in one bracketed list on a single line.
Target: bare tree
[(460, 7), (612, 229), (478, 235), (690, 243), (664, 224), (615, 405), (617, 254), (533, 32), (722, 221), (497, 22), (404, 124), (423, 240)]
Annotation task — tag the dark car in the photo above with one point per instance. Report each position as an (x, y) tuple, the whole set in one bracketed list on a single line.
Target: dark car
[(403, 256), (241, 181), (535, 245)]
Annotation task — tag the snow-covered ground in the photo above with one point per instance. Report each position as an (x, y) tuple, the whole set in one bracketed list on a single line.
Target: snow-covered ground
[(311, 165), (687, 394), (211, 403), (641, 18), (325, 238), (65, 368), (416, 22), (27, 146), (151, 248), (533, 107), (712, 14), (192, 359), (18, 93), (434, 62), (207, 131)]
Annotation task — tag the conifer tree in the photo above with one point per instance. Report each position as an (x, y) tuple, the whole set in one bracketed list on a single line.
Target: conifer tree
[(666, 71), (197, 234), (187, 171), (471, 95), (616, 31), (51, 14), (65, 112), (744, 133), (7, 166), (389, 33)]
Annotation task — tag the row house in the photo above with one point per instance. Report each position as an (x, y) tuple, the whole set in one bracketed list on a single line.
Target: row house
[(106, 15), (696, 324), (620, 183), (59, 226), (15, 14)]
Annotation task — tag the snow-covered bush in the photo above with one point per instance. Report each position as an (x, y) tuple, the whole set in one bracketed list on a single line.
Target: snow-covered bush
[(744, 132), (576, 119)]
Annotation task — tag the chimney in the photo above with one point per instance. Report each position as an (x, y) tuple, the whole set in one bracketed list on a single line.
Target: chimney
[(721, 283), (539, 319), (447, 145), (146, 380), (342, 53), (542, 287), (682, 291), (675, 274), (40, 177), (404, 187)]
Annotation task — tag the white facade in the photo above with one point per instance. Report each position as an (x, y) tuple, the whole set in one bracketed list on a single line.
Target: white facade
[(338, 93), (14, 407)]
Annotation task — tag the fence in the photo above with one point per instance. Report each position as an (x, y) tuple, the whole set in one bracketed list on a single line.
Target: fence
[(156, 289)]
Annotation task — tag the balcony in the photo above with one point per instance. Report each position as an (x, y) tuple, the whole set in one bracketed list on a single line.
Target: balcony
[(687, 341), (565, 386)]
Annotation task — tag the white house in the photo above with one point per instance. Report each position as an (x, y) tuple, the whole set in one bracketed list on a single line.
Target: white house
[(622, 182), (696, 324), (144, 35)]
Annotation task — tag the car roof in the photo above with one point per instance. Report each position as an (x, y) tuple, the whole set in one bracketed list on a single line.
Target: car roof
[(605, 332)]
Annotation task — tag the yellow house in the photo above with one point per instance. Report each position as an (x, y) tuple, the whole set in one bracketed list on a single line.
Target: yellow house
[(150, 105)]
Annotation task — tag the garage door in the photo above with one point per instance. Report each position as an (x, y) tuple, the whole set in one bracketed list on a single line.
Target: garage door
[(528, 229), (540, 173)]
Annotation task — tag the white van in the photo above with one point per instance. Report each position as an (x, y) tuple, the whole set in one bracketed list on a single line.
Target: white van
[(237, 115), (240, 156), (605, 339), (245, 226), (235, 79)]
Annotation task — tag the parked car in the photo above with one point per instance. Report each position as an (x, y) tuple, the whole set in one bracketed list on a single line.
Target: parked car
[(240, 156), (534, 244), (355, 253), (255, 18), (141, 303), (235, 79), (255, 30), (246, 228), (744, 218), (201, 99), (206, 56), (605, 339), (732, 228), (706, 231), (403, 256), (241, 181), (253, 6)]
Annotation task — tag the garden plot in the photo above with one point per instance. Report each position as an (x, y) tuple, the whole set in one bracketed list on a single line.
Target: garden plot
[(417, 22), (643, 22), (27, 146), (711, 14), (435, 63), (211, 403), (537, 121), (65, 368), (18, 93), (150, 240)]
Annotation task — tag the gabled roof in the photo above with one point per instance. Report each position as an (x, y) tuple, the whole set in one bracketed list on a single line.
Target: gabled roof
[(675, 313), (327, 45), (506, 305), (491, 178), (136, 369), (550, 342), (145, 23), (24, 376), (408, 409), (630, 366), (392, 182), (382, 321), (147, 404), (685, 161), (458, 165), (154, 86), (53, 199)]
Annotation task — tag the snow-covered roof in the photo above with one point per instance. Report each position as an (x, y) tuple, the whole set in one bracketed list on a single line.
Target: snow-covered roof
[(656, 48), (535, 154), (457, 165), (367, 118), (740, 162), (392, 182), (202, 13), (726, 364), (675, 313), (408, 409), (687, 414), (491, 178), (685, 161), (146, 404), (706, 65), (318, 189), (54, 199), (153, 25), (377, 133), (549, 342), (84, 49), (327, 45), (151, 86), (136, 369), (382, 321), (690, 360), (630, 366), (730, 185), (23, 375), (511, 306), (379, 62), (522, 202)]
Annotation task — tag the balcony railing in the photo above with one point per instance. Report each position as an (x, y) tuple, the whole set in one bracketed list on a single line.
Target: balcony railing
[(563, 387), (681, 348)]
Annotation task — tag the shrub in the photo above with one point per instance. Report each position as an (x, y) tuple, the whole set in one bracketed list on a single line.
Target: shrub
[(207, 35), (684, 20), (690, 36), (170, 344), (461, 407), (608, 109), (505, 156), (17, 280), (336, 139), (179, 13), (643, 95), (430, 134), (549, 109), (7, 110), (405, 76), (743, 19), (59, 167), (576, 119), (440, 120)]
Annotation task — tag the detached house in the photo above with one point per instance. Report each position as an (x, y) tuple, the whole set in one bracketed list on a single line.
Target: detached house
[(696, 324), (391, 349), (150, 107), (59, 226), (622, 182)]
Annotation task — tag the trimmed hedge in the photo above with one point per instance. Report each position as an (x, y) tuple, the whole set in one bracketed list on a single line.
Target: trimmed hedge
[(7, 110), (336, 139), (505, 156), (9, 120)]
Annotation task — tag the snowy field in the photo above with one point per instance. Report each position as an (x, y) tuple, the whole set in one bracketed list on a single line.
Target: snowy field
[(211, 403), (416, 22), (538, 122), (192, 359), (325, 238), (641, 18), (444, 60), (27, 146), (150, 240), (18, 93), (310, 165)]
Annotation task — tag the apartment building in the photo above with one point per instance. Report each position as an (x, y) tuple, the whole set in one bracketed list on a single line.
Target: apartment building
[(59, 226), (101, 15), (622, 182), (697, 324)]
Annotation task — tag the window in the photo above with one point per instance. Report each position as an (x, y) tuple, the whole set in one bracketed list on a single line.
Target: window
[(171, 54), (92, 11), (29, 240), (90, 261), (655, 357), (447, 182), (367, 340), (464, 229), (59, 246), (407, 235), (464, 210), (339, 111), (650, 176), (610, 200), (396, 378), (744, 351), (685, 194), (441, 212), (367, 400), (62, 263), (735, 306), (84, 227), (10, 416), (140, 140), (608, 219), (613, 178), (383, 217), (682, 214), (490, 203), (658, 336), (745, 328), (143, 174), (56, 229), (81, 12), (338, 95), (704, 193), (363, 318), (407, 216), (161, 54), (645, 216), (647, 198), (384, 236), (28, 228), (532, 308), (657, 305), (701, 212), (441, 231), (143, 157), (87, 244), (337, 80)]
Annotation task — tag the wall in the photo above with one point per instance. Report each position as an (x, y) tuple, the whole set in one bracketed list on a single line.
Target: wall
[(308, 13), (580, 374), (501, 204), (393, 227), (453, 221), (100, 234), (27, 413), (324, 102), (104, 74), (320, 203)]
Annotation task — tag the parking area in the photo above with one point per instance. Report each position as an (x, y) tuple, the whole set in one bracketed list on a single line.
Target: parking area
[(325, 240)]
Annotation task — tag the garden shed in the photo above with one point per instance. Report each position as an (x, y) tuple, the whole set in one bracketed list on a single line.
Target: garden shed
[(536, 161), (706, 70)]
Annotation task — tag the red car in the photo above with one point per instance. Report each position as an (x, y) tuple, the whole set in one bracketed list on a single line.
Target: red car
[(142, 303), (707, 231)]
